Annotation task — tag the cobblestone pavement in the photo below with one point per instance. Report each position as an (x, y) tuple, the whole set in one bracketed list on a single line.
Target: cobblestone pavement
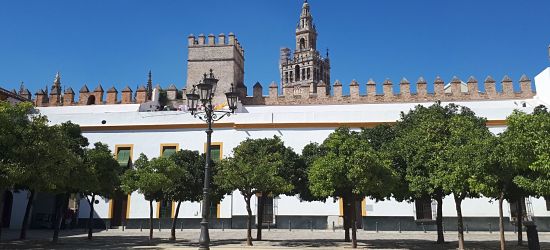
[(274, 239)]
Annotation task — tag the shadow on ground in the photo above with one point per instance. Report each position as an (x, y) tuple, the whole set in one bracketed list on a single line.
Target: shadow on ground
[(99, 242), (142, 242), (400, 244)]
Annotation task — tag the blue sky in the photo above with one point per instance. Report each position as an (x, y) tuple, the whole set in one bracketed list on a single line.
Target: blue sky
[(117, 42)]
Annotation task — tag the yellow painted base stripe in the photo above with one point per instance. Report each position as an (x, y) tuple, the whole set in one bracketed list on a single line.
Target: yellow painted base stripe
[(341, 206), (128, 206), (252, 125), (364, 207)]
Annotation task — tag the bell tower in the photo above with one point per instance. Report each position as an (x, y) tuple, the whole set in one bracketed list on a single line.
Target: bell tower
[(305, 67), (306, 35)]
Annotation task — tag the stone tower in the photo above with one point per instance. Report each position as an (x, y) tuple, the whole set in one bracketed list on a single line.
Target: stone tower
[(224, 56), (306, 67)]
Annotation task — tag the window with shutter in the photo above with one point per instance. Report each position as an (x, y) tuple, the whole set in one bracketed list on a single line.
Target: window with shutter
[(167, 151), (123, 156), (215, 151)]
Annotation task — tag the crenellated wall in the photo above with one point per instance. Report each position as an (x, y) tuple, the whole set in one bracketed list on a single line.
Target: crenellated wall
[(455, 90)]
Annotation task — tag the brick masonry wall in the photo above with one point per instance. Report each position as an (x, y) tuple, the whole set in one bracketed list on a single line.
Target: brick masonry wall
[(405, 95), (300, 95)]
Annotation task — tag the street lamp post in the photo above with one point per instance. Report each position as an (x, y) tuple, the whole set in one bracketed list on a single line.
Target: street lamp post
[(206, 90)]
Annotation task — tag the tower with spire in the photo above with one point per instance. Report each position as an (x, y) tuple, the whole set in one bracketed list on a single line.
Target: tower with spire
[(306, 67), (55, 93)]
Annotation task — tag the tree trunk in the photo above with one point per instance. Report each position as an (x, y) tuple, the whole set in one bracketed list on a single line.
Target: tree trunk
[(520, 221), (26, 218), (439, 220), (151, 220), (58, 216), (353, 223), (346, 211), (91, 217), (501, 221), (1, 211), (60, 211), (174, 221), (458, 204), (261, 205), (248, 222)]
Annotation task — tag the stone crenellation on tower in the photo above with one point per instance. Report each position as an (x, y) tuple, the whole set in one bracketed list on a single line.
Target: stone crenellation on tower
[(225, 55)]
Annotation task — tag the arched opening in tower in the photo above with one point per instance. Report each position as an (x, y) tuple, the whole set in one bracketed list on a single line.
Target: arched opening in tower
[(91, 100), (302, 43)]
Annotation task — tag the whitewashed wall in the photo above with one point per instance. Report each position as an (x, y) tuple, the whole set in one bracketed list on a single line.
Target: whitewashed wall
[(149, 141), (18, 209), (542, 83)]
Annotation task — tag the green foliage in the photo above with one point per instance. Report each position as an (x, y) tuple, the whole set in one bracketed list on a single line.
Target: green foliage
[(527, 144), (497, 178), (310, 153), (14, 122), (148, 177), (186, 175), (349, 164), (444, 149), (103, 171), (383, 139), (257, 165), (67, 156), (422, 140), (48, 158), (293, 169), (263, 166), (467, 148)]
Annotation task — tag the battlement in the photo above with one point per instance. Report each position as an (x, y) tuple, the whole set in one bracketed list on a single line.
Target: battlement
[(212, 41), (96, 97), (403, 92), (386, 92)]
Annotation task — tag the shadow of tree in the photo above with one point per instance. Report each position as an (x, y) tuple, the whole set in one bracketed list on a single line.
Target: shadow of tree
[(126, 242)]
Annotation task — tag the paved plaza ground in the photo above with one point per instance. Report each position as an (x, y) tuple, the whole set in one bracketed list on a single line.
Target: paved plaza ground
[(274, 239)]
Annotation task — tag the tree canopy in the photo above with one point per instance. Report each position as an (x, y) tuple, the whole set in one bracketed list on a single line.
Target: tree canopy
[(528, 147), (102, 177), (258, 166), (422, 140), (149, 179), (14, 123), (350, 164), (348, 167)]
